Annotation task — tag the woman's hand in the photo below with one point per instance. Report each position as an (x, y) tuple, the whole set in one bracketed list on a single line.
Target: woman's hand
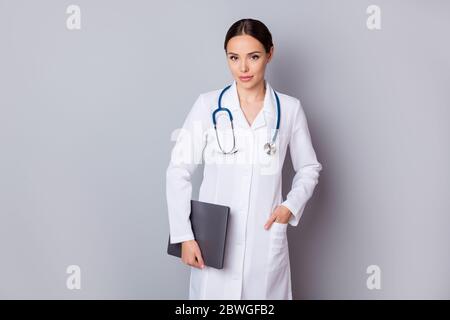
[(280, 215), (191, 254)]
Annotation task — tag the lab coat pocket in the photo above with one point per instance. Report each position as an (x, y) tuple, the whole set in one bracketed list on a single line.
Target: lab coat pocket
[(270, 164), (278, 249), (278, 273)]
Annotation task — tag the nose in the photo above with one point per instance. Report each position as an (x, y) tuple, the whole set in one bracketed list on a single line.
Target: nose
[(243, 66)]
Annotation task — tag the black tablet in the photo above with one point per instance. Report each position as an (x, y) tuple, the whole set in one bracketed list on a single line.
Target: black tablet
[(209, 224)]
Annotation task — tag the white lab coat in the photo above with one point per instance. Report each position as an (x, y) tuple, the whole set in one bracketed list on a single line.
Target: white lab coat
[(256, 262)]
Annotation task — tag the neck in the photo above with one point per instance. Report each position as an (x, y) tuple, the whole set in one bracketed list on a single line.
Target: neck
[(253, 94)]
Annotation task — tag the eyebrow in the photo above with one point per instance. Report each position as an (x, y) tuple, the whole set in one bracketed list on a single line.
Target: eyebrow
[(247, 53)]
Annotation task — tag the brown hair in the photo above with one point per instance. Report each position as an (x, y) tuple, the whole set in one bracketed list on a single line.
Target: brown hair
[(251, 27)]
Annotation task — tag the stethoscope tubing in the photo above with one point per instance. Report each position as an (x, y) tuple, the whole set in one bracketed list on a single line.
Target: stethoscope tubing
[(230, 115)]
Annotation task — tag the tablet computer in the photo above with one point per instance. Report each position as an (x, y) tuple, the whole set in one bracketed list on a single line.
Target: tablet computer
[(209, 223)]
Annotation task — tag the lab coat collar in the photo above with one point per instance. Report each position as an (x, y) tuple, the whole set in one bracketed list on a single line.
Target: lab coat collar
[(230, 100)]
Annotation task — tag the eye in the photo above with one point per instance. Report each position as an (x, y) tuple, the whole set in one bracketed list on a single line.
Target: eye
[(255, 56), (231, 58)]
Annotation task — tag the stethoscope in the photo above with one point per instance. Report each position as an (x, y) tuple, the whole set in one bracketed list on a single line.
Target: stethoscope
[(269, 147)]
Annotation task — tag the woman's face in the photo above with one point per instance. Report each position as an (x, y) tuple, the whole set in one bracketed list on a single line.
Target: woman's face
[(247, 58)]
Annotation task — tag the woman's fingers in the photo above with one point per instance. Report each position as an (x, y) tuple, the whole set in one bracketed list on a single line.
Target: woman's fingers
[(269, 222), (191, 255), (280, 215), (200, 262)]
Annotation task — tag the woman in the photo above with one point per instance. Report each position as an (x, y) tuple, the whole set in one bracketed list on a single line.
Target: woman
[(244, 174)]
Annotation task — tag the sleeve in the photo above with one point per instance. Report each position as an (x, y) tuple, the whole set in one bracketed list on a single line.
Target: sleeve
[(186, 155), (305, 165)]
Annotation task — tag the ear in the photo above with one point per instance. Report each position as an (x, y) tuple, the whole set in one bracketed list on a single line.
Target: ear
[(270, 54)]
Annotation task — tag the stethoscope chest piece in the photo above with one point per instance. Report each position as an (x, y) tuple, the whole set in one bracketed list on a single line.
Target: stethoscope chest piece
[(269, 148)]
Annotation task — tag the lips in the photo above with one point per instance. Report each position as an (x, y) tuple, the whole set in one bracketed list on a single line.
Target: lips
[(245, 78)]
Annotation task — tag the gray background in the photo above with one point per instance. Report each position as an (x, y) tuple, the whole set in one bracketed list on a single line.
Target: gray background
[(86, 118)]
